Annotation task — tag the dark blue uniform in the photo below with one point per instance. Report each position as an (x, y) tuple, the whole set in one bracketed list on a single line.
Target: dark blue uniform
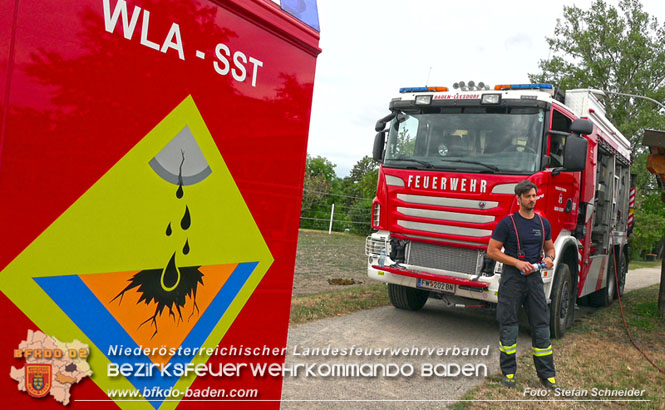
[(517, 290), (530, 233)]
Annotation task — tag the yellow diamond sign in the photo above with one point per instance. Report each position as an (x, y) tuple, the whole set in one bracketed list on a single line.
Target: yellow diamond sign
[(161, 251)]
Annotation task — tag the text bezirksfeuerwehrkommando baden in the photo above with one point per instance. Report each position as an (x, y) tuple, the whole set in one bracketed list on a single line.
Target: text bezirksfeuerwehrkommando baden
[(323, 368)]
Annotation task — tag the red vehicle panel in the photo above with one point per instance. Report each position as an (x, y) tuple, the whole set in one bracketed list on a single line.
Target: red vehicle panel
[(87, 90)]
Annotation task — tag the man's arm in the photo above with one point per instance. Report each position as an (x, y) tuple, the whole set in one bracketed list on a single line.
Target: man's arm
[(549, 254), (494, 252)]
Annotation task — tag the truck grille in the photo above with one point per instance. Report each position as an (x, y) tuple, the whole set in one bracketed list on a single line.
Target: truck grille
[(444, 257)]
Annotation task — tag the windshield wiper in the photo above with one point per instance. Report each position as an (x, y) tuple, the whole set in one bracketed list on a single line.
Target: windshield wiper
[(429, 165), (423, 163), (492, 167)]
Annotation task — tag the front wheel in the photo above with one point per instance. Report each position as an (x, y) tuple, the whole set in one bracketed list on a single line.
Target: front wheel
[(404, 297), (562, 308)]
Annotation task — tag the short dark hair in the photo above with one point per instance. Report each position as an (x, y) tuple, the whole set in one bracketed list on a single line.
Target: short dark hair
[(525, 186)]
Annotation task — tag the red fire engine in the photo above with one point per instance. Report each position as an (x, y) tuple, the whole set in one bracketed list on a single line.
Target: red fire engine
[(450, 162)]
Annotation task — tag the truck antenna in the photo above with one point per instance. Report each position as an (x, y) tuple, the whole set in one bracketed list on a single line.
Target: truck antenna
[(428, 73)]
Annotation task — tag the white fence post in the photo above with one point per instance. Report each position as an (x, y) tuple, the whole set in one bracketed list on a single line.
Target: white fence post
[(332, 212)]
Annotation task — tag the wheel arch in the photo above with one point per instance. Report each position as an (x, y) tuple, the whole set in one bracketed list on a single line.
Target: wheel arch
[(565, 249), (626, 252), (623, 251)]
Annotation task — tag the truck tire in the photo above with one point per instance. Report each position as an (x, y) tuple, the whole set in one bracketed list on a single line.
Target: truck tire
[(605, 296), (621, 272), (562, 307), (404, 297)]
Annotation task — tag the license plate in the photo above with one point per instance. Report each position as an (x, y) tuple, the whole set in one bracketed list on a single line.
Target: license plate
[(440, 286)]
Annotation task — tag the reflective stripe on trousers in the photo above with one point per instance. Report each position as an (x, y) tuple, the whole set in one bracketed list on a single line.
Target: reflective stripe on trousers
[(542, 352), (508, 349)]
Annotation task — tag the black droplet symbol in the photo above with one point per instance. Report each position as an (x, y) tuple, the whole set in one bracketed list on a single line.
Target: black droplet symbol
[(186, 220), (185, 249), (179, 193), (170, 276), (169, 230)]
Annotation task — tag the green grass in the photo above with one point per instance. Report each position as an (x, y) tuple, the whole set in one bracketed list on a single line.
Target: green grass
[(596, 353), (337, 303), (635, 264)]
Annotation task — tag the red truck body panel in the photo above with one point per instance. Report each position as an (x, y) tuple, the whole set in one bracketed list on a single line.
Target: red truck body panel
[(77, 99)]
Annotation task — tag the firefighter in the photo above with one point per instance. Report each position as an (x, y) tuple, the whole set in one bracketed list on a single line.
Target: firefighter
[(527, 239)]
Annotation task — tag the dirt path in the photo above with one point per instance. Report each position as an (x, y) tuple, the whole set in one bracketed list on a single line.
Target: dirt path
[(641, 278), (435, 326)]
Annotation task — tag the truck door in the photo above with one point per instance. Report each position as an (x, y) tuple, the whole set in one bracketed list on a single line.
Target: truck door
[(562, 201)]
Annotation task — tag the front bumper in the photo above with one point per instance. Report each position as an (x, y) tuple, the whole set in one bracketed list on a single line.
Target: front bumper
[(484, 288)]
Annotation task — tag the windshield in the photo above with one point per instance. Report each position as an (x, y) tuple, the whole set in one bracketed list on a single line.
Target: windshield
[(468, 139)]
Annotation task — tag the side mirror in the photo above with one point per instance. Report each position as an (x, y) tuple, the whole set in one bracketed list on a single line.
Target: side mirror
[(381, 124), (574, 152), (582, 126), (379, 142)]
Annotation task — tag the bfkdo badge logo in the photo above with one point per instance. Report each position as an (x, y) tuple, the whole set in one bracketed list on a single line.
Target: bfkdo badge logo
[(51, 366), (38, 378)]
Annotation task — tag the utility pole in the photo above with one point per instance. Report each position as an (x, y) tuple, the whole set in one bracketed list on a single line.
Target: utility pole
[(332, 213)]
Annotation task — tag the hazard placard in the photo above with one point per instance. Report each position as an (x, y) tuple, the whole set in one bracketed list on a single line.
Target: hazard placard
[(159, 255)]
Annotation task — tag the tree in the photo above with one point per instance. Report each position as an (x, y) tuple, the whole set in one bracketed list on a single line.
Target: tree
[(352, 195), (320, 187), (361, 181), (621, 50), (617, 50), (359, 190), (319, 176), (320, 166), (650, 213)]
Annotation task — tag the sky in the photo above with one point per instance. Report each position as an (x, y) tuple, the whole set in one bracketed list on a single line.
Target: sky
[(372, 48)]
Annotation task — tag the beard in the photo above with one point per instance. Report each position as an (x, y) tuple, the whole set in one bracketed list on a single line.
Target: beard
[(529, 206)]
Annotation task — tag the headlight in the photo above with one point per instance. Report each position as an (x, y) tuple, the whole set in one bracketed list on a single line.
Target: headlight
[(491, 99), (423, 99)]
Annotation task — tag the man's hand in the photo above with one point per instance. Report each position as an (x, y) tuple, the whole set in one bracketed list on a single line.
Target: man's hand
[(525, 267), (549, 250)]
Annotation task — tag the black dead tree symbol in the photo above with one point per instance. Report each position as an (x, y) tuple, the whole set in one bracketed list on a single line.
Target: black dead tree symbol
[(169, 287)]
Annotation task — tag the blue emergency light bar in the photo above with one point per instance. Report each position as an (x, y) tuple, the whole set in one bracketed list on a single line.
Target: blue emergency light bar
[(304, 10), (422, 89), (524, 87)]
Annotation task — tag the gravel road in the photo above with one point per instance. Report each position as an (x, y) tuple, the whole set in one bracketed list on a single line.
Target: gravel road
[(436, 326)]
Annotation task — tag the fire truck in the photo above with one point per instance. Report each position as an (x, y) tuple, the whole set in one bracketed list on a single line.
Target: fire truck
[(450, 160)]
